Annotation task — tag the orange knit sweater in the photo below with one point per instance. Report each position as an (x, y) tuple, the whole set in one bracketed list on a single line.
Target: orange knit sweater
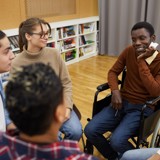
[(142, 81)]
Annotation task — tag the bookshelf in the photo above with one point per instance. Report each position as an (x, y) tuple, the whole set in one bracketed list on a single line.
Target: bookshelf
[(75, 39)]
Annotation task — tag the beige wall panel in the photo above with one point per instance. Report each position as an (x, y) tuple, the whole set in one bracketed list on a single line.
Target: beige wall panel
[(48, 8), (14, 11), (88, 8), (10, 14)]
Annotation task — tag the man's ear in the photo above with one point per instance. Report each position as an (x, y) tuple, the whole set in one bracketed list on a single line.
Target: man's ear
[(153, 37), (60, 113)]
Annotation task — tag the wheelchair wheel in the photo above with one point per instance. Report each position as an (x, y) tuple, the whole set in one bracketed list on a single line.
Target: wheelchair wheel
[(155, 142)]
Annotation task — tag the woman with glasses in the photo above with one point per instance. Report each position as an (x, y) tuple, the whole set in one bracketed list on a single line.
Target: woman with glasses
[(33, 37)]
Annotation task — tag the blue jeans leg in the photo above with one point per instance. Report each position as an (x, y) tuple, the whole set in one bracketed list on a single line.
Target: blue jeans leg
[(72, 128), (123, 126), (128, 126), (139, 154), (101, 123)]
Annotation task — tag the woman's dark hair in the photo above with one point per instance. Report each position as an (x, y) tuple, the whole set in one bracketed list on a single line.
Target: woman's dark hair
[(32, 96), (28, 26)]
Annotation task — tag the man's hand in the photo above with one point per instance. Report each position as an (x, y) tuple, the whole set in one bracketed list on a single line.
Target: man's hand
[(116, 99), (147, 53)]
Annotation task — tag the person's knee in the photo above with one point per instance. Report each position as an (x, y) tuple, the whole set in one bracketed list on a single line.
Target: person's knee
[(116, 142), (88, 130), (76, 133), (125, 156)]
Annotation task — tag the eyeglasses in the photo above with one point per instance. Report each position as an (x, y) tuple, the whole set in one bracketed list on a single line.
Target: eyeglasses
[(42, 34)]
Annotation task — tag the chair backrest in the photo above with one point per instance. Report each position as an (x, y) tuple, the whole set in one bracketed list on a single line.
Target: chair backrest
[(77, 111), (123, 76)]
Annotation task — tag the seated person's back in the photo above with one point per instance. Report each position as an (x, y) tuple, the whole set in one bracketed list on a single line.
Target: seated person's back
[(35, 102)]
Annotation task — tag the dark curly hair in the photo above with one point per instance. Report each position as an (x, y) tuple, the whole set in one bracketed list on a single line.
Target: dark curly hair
[(32, 96)]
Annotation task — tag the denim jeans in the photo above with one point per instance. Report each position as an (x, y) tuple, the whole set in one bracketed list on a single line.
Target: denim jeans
[(72, 128), (139, 154), (123, 125)]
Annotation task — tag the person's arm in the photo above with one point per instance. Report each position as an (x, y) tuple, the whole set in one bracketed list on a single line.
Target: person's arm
[(9, 124), (113, 74), (150, 81), (67, 86)]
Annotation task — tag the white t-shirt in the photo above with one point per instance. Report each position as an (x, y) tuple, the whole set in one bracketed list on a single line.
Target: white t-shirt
[(2, 118)]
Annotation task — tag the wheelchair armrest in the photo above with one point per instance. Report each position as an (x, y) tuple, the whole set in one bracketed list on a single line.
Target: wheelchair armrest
[(153, 101), (105, 86)]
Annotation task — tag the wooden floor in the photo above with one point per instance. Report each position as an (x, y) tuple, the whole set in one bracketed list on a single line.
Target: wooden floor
[(86, 75)]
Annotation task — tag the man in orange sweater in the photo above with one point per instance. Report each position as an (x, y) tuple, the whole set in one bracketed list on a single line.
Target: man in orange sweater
[(142, 83)]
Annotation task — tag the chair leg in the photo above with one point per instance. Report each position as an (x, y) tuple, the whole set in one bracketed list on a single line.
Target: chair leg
[(88, 148), (83, 142)]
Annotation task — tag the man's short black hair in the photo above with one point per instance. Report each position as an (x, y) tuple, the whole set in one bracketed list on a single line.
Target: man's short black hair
[(32, 96), (145, 25)]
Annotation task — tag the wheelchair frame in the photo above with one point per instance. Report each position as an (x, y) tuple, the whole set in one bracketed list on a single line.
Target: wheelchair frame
[(141, 138)]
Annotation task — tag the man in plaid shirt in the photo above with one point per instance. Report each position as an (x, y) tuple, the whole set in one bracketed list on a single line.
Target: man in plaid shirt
[(34, 100)]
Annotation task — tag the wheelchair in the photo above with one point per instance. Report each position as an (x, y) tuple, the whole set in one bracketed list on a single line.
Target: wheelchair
[(148, 125)]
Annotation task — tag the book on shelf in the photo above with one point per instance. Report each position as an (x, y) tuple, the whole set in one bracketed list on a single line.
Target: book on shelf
[(69, 43), (69, 55), (86, 28), (50, 38), (88, 49), (68, 31), (60, 46), (81, 52), (51, 44), (83, 39), (59, 33), (14, 41), (89, 41), (81, 28)]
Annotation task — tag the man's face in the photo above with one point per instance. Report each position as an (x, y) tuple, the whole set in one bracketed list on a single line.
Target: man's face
[(6, 55), (141, 40)]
